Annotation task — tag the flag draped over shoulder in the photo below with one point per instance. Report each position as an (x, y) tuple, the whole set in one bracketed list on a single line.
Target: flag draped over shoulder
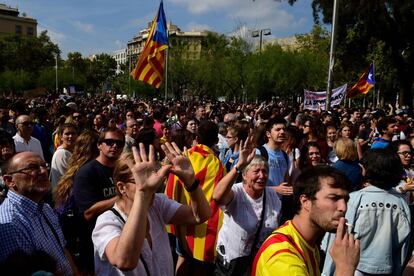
[(199, 241), (151, 63), (364, 84)]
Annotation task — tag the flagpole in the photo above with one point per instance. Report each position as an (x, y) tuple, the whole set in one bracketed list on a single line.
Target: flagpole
[(166, 75), (331, 56), (373, 70)]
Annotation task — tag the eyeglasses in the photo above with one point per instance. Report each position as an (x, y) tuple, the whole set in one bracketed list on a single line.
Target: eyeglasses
[(405, 153), (111, 142), (77, 117), (32, 168), (27, 123)]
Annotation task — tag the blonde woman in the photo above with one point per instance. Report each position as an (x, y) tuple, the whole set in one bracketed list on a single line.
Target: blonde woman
[(130, 239), (346, 151)]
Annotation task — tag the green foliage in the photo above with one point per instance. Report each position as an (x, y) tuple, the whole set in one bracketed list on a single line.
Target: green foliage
[(379, 31)]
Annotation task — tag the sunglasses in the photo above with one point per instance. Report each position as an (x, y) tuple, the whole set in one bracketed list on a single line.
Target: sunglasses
[(26, 123), (111, 142)]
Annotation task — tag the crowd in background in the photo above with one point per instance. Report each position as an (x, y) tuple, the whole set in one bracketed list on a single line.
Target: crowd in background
[(188, 155)]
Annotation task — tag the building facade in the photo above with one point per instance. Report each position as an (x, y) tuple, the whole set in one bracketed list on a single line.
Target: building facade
[(11, 23), (190, 40), (120, 56)]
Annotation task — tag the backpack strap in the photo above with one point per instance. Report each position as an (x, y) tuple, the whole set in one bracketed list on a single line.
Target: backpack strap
[(263, 152)]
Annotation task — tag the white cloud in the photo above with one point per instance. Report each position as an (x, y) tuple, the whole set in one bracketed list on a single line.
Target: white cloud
[(203, 6), (85, 27), (192, 26)]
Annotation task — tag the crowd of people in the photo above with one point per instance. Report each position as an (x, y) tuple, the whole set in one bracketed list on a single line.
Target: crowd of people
[(140, 187)]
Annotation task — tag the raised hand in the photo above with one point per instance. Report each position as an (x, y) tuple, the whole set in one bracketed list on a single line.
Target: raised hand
[(181, 164), (246, 153), (345, 250), (145, 173)]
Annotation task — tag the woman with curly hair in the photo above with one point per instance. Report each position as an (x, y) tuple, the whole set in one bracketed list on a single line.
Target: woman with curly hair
[(85, 150)]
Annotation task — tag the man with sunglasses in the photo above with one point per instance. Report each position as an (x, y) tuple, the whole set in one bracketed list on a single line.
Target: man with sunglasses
[(23, 140), (27, 225), (94, 190)]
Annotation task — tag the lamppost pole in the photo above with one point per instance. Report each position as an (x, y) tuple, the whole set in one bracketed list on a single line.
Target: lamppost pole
[(331, 57), (260, 33), (56, 72)]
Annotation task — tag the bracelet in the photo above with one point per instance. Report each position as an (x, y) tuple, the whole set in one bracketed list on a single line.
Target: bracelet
[(193, 186)]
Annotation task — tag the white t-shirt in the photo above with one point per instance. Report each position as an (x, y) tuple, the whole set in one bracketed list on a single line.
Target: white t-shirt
[(158, 258), (241, 221), (59, 165)]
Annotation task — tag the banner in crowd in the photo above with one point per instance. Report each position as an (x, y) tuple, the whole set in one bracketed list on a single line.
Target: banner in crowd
[(151, 63), (314, 100)]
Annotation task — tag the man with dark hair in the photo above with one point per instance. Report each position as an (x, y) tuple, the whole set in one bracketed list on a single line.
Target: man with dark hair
[(198, 257), (387, 127), (200, 114), (26, 223), (277, 158), (94, 190), (320, 196)]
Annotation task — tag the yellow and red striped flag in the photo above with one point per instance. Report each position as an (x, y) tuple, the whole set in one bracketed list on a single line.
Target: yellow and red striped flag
[(151, 62), (364, 84), (199, 241)]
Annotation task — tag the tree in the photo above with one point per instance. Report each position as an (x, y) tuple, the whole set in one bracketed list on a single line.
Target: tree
[(381, 29), (99, 72)]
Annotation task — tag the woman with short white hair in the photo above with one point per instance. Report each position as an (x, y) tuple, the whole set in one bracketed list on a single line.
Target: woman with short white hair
[(251, 212)]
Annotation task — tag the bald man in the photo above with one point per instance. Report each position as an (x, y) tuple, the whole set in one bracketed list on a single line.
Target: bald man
[(27, 225), (23, 139)]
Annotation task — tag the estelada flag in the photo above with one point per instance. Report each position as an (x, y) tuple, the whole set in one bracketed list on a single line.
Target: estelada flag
[(151, 63), (364, 84), (199, 241)]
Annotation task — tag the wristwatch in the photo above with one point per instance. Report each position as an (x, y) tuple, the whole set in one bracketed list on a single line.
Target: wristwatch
[(193, 186), (237, 170)]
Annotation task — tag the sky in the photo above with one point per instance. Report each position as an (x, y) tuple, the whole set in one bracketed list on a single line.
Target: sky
[(103, 26)]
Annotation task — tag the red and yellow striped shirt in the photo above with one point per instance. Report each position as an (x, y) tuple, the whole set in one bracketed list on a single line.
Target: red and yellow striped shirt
[(285, 252), (199, 240)]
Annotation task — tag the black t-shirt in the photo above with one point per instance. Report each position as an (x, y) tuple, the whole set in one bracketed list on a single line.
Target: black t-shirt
[(92, 183)]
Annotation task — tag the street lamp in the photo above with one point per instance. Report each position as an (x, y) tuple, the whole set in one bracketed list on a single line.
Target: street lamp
[(260, 33)]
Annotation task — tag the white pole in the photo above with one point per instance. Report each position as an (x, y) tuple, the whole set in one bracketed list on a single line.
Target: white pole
[(331, 56), (56, 72)]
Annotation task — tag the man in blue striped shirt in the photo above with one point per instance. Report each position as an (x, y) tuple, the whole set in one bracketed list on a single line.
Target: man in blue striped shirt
[(26, 224)]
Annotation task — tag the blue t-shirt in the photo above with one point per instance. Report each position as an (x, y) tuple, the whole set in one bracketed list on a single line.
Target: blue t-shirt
[(380, 143), (278, 166)]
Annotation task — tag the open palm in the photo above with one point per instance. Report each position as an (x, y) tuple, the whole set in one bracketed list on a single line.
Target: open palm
[(146, 175), (181, 164)]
